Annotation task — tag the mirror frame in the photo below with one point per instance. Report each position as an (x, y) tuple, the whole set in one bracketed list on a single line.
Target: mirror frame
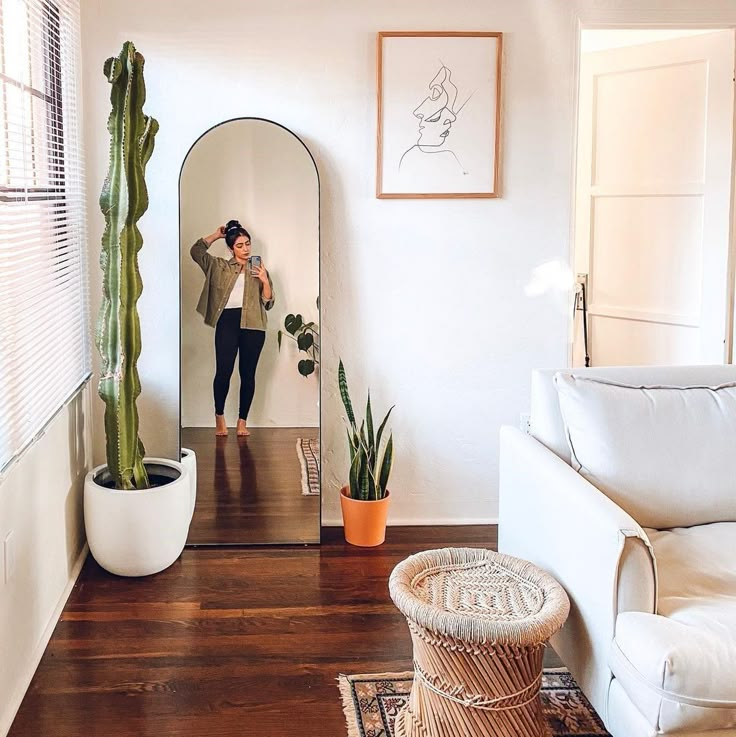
[(319, 313)]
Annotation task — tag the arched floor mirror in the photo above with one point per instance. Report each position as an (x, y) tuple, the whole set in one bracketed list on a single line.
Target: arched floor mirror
[(263, 487)]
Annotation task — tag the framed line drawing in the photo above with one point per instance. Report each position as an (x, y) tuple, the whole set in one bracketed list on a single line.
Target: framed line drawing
[(439, 114)]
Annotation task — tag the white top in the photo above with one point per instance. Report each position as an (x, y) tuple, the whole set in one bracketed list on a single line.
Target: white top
[(236, 296)]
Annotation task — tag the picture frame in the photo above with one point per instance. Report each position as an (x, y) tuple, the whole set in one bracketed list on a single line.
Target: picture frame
[(439, 114)]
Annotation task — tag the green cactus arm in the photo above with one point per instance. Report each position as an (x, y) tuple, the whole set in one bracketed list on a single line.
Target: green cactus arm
[(123, 200)]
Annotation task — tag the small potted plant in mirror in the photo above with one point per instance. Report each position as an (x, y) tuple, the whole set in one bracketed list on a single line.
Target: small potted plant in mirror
[(364, 501), (137, 510)]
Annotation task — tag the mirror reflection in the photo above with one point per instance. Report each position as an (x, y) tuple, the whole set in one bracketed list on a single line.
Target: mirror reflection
[(249, 210)]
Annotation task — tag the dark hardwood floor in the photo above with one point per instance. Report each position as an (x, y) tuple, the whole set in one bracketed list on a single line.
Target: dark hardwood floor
[(227, 642), (249, 489)]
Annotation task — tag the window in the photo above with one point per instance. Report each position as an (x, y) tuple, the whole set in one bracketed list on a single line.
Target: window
[(44, 306)]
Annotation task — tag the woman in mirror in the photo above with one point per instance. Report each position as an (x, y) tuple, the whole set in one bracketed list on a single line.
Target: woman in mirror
[(236, 294)]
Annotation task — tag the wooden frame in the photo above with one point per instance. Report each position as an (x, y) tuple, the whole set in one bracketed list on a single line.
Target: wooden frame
[(387, 144)]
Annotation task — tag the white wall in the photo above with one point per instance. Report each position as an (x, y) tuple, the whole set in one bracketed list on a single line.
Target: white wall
[(41, 504), (451, 346), (261, 175)]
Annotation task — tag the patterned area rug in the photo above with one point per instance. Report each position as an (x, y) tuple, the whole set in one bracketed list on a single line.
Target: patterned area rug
[(371, 703), (308, 451)]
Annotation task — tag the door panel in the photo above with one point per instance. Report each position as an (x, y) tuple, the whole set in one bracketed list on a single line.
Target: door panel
[(648, 255), (644, 343), (640, 119)]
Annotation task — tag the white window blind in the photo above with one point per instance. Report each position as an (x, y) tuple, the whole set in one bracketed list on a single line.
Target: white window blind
[(44, 306)]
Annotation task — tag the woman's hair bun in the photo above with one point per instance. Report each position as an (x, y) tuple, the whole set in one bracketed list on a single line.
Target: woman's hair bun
[(233, 230)]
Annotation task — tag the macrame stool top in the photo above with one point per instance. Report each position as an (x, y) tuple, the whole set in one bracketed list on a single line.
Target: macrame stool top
[(478, 596)]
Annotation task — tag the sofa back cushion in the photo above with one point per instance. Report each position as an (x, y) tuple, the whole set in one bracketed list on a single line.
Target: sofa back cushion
[(546, 420), (666, 455)]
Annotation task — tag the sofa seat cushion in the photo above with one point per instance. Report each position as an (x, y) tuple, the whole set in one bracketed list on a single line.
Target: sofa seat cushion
[(679, 666)]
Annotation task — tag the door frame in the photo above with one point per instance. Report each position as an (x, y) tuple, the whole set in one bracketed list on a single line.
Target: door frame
[(652, 20)]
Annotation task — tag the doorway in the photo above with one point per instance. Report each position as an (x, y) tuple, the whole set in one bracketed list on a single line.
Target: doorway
[(654, 197)]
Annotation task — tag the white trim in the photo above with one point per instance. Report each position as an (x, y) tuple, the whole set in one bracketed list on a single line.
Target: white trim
[(24, 681), (423, 521), (578, 36), (662, 318)]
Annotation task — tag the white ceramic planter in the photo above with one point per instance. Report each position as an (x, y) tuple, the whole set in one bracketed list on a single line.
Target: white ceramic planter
[(189, 461), (137, 533)]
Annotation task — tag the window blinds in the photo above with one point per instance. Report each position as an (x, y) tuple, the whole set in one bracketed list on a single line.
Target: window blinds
[(44, 306)]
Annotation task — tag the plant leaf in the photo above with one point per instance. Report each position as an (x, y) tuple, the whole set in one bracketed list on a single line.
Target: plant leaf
[(364, 480), (369, 425), (292, 323), (380, 429), (278, 335), (364, 442), (306, 366), (351, 445), (354, 473), (374, 492), (388, 458), (305, 341), (345, 395)]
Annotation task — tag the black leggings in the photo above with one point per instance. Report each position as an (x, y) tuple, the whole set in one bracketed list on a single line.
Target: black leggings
[(230, 339)]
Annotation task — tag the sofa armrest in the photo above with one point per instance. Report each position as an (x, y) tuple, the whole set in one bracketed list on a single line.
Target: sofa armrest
[(551, 516)]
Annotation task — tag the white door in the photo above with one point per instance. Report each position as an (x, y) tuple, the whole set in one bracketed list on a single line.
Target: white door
[(653, 202)]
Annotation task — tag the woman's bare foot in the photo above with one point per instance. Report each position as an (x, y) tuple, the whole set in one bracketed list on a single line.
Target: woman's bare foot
[(242, 429), (220, 426)]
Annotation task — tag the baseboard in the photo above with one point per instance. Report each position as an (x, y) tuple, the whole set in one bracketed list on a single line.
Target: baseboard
[(25, 680), (424, 521)]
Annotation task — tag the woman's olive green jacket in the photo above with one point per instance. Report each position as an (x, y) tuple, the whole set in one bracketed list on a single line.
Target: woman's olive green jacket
[(220, 275)]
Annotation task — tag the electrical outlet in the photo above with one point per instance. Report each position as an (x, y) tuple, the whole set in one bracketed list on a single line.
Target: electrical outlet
[(9, 556), (525, 422)]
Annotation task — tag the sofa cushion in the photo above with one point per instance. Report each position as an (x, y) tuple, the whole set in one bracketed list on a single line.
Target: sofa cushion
[(665, 455), (546, 423), (679, 666)]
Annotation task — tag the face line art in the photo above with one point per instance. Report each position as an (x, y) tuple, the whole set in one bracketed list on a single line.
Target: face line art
[(436, 114)]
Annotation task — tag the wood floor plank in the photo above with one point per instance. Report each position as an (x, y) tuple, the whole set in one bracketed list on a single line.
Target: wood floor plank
[(240, 642), (249, 489)]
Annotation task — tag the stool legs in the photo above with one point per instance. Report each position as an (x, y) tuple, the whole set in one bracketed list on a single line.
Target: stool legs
[(471, 690)]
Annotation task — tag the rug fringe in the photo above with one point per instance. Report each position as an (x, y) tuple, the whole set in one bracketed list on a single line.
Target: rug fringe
[(404, 675), (348, 708)]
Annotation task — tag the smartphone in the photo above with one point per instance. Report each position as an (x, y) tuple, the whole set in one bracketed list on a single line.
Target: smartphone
[(255, 262)]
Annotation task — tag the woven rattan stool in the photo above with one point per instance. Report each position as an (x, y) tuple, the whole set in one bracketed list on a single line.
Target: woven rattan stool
[(478, 621)]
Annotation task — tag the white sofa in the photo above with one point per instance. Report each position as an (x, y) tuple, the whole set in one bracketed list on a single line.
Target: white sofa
[(642, 537)]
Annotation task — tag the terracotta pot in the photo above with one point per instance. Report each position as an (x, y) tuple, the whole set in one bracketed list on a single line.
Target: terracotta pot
[(364, 522)]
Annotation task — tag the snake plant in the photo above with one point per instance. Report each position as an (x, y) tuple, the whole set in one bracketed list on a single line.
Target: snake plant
[(368, 471), (123, 201)]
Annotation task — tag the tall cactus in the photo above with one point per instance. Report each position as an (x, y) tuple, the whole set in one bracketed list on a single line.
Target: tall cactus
[(123, 201)]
